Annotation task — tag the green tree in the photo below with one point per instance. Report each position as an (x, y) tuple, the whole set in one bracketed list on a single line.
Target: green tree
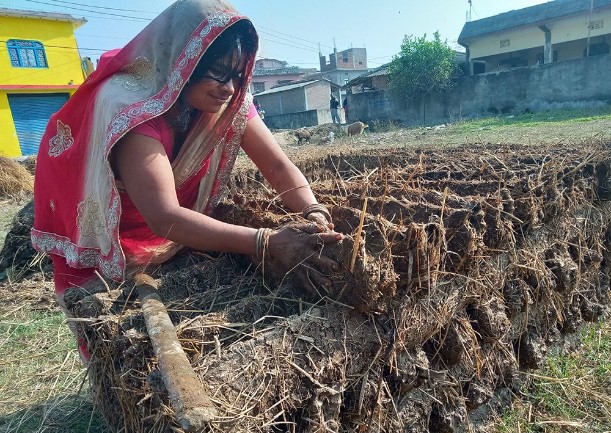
[(421, 69)]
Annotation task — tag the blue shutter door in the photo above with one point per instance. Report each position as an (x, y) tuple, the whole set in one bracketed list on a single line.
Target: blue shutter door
[(31, 114)]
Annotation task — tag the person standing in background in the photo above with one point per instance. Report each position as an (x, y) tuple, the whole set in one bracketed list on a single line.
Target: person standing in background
[(334, 106)]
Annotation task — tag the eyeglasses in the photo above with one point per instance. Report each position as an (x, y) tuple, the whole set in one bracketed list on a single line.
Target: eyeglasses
[(225, 78)]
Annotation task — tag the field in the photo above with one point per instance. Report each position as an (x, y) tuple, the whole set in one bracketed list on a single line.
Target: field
[(474, 241)]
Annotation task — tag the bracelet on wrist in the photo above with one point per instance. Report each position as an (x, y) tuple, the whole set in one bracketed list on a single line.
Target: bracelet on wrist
[(316, 207), (261, 243)]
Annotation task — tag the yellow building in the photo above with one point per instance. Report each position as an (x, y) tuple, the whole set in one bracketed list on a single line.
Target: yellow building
[(550, 32), (40, 68)]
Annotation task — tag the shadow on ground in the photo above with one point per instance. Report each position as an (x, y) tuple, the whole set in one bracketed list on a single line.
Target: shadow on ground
[(70, 413)]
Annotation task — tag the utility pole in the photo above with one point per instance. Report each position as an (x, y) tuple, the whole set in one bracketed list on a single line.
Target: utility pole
[(336, 75), (469, 13), (589, 28)]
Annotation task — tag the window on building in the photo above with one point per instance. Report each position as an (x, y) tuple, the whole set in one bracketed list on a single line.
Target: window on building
[(597, 49), (258, 87), (479, 67), (26, 54)]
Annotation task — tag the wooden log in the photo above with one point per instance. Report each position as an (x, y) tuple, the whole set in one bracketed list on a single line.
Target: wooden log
[(188, 397)]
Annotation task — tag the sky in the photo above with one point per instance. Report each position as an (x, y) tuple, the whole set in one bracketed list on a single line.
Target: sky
[(290, 30)]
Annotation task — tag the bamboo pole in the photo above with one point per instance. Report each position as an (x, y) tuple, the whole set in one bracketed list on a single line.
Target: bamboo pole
[(188, 397)]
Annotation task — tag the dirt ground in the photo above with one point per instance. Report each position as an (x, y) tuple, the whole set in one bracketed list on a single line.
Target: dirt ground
[(549, 132), (8, 209), (469, 251)]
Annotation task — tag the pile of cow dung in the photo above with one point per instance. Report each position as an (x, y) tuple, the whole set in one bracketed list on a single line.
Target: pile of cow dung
[(459, 269)]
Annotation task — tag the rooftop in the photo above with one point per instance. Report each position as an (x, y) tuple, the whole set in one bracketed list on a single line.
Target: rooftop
[(537, 14), (51, 16), (379, 71), (289, 70)]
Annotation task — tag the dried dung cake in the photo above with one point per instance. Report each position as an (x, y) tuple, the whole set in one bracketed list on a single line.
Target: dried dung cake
[(459, 269)]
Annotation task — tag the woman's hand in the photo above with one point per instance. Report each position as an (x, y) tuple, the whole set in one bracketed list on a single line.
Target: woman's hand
[(299, 248), (318, 214), (320, 219)]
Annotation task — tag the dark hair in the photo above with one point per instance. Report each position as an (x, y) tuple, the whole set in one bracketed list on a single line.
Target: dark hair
[(240, 38)]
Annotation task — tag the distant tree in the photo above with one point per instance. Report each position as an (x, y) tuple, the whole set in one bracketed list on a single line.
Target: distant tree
[(421, 69)]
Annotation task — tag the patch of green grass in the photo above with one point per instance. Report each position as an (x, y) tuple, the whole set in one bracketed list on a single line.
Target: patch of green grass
[(21, 333), (43, 386), (571, 393), (70, 413), (384, 126), (534, 119)]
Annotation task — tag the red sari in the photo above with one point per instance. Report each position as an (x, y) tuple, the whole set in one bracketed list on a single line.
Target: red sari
[(82, 219)]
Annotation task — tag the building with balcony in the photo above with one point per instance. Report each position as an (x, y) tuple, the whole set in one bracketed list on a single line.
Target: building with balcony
[(550, 32)]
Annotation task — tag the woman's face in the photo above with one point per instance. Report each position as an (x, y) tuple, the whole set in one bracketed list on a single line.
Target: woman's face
[(217, 86)]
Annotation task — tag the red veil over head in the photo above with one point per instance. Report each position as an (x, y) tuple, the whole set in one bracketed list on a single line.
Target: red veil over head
[(77, 202)]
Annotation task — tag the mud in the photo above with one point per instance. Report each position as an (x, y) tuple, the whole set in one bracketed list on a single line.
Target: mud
[(471, 263)]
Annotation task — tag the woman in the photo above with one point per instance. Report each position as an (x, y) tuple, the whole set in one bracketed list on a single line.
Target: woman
[(131, 166)]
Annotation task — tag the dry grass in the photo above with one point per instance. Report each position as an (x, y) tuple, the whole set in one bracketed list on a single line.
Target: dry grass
[(15, 179), (41, 375), (470, 293), (16, 187), (41, 378), (30, 164)]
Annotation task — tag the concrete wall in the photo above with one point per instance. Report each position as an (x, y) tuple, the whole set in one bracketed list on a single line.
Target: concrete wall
[(581, 82), (532, 57), (506, 42), (9, 144), (298, 120), (312, 96), (317, 96), (354, 58), (292, 100)]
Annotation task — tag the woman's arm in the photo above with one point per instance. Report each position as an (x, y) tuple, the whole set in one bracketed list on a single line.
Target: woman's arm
[(144, 168), (263, 149)]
